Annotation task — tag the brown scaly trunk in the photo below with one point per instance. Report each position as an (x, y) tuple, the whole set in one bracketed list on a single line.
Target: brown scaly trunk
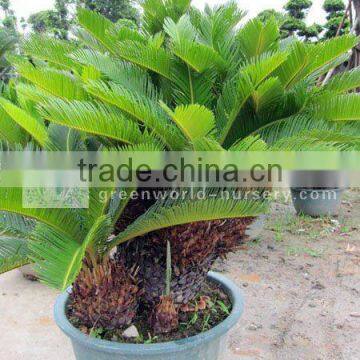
[(194, 248), (105, 296)]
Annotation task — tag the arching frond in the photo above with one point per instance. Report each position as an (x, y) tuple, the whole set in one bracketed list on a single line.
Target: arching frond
[(344, 82), (9, 130), (13, 253), (97, 26), (198, 56), (55, 82), (250, 143), (171, 213), (289, 71), (156, 11), (117, 71), (96, 119), (257, 38), (11, 201), (324, 53), (237, 91), (146, 56), (52, 50), (338, 108), (195, 121), (59, 258), (190, 87), (140, 108), (31, 125)]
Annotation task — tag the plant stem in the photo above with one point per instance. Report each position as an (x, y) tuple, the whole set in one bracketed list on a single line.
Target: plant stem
[(168, 269)]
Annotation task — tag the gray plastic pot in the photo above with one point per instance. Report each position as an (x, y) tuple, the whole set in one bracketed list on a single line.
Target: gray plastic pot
[(205, 346), (317, 202)]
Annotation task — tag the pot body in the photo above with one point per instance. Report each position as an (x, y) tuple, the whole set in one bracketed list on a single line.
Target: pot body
[(317, 202), (205, 346)]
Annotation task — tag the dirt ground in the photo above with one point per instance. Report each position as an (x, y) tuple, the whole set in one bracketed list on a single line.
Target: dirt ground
[(300, 278)]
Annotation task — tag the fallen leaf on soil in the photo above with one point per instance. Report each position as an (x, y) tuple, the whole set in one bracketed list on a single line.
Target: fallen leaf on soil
[(45, 321), (350, 249), (252, 278), (187, 308), (250, 352)]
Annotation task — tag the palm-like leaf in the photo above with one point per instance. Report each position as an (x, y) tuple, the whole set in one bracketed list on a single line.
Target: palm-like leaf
[(171, 213), (62, 219), (13, 253), (95, 119)]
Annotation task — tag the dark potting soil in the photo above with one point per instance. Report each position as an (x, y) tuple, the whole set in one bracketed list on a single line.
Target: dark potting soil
[(211, 307)]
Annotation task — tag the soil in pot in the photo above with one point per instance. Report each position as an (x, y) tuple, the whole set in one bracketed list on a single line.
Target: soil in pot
[(211, 307)]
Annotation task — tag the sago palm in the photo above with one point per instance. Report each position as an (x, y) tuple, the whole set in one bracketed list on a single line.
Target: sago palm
[(188, 80)]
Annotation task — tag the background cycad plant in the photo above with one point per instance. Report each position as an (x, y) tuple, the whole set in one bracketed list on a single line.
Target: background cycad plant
[(187, 80)]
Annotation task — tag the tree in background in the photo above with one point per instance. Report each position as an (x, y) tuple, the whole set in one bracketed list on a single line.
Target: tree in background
[(294, 23), (9, 21), (56, 21), (311, 32), (335, 14), (114, 10)]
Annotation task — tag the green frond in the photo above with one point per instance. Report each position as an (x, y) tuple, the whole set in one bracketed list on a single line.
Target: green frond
[(190, 87), (31, 125), (88, 40), (117, 71), (66, 139), (141, 109), (339, 108), (10, 131), (250, 143), (257, 38), (58, 258), (28, 91), (216, 27), (146, 56), (97, 26), (55, 82), (171, 213), (97, 238), (205, 144), (267, 97), (95, 119), (195, 121), (185, 46), (15, 225), (237, 91), (344, 82), (156, 11), (324, 53), (55, 51), (13, 253), (289, 71), (316, 141), (121, 33), (11, 201), (290, 127)]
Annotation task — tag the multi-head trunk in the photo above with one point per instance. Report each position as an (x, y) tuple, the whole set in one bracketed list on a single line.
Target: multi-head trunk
[(105, 296), (194, 247)]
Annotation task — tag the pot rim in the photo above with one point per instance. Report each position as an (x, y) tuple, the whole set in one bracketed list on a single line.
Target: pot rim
[(106, 346), (338, 189)]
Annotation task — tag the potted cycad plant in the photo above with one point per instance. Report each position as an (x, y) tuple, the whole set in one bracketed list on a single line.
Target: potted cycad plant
[(187, 80)]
